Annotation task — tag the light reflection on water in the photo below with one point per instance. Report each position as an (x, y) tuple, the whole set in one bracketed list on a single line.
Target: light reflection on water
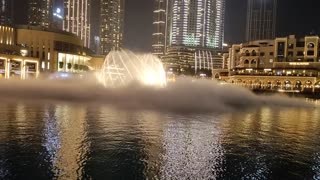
[(66, 141), (77, 142), (192, 149)]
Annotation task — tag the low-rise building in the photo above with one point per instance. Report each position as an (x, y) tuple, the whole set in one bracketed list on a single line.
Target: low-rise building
[(287, 63), (26, 50), (58, 51), (14, 62)]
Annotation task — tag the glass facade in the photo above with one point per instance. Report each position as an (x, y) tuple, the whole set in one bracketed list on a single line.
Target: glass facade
[(72, 63), (261, 19)]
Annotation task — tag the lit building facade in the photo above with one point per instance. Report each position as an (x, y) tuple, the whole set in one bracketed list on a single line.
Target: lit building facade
[(77, 19), (261, 19), (18, 67), (159, 36), (111, 27), (188, 23), (7, 36), (197, 23), (40, 12), (57, 51), (14, 61), (287, 63), (192, 61), (6, 12)]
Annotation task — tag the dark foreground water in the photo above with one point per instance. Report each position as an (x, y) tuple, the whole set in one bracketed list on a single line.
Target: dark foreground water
[(48, 141)]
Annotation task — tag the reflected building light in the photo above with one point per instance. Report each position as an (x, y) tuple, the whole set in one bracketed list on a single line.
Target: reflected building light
[(190, 153), (66, 141)]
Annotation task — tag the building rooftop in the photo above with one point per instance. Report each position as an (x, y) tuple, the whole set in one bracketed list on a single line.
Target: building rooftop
[(40, 28)]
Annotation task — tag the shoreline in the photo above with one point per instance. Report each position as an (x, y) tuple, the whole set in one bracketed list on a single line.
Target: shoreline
[(311, 95)]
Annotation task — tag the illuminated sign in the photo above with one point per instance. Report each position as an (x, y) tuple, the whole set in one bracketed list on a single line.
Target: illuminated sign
[(299, 64), (57, 13)]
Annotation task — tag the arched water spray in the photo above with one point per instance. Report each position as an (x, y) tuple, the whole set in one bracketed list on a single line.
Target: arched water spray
[(123, 67)]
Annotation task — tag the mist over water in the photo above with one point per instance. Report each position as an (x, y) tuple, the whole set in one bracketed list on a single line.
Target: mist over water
[(185, 95), (78, 129)]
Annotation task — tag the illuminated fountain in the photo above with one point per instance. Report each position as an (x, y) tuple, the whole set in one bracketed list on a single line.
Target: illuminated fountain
[(124, 67)]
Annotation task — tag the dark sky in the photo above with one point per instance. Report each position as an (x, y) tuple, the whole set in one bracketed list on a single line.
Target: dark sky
[(293, 17)]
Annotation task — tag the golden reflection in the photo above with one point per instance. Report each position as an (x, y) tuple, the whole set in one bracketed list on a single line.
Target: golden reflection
[(67, 141), (295, 122), (266, 115)]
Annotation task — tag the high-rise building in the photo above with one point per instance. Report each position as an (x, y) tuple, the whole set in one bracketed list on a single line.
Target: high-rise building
[(195, 23), (45, 13), (6, 12), (77, 19), (57, 19), (261, 19), (40, 12), (159, 36), (111, 28)]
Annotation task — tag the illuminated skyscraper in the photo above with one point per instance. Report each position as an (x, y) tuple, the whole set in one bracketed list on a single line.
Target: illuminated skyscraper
[(159, 36), (77, 20), (112, 19), (191, 23), (40, 12), (261, 19), (6, 16)]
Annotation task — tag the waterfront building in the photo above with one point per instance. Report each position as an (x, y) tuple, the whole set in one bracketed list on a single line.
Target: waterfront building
[(26, 51), (18, 67), (6, 12), (14, 62), (58, 51), (286, 63), (111, 27), (77, 19), (261, 19)]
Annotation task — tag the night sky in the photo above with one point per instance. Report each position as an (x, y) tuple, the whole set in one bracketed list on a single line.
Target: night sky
[(294, 17)]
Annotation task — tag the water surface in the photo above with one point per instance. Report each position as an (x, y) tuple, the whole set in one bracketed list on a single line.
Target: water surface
[(50, 141)]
